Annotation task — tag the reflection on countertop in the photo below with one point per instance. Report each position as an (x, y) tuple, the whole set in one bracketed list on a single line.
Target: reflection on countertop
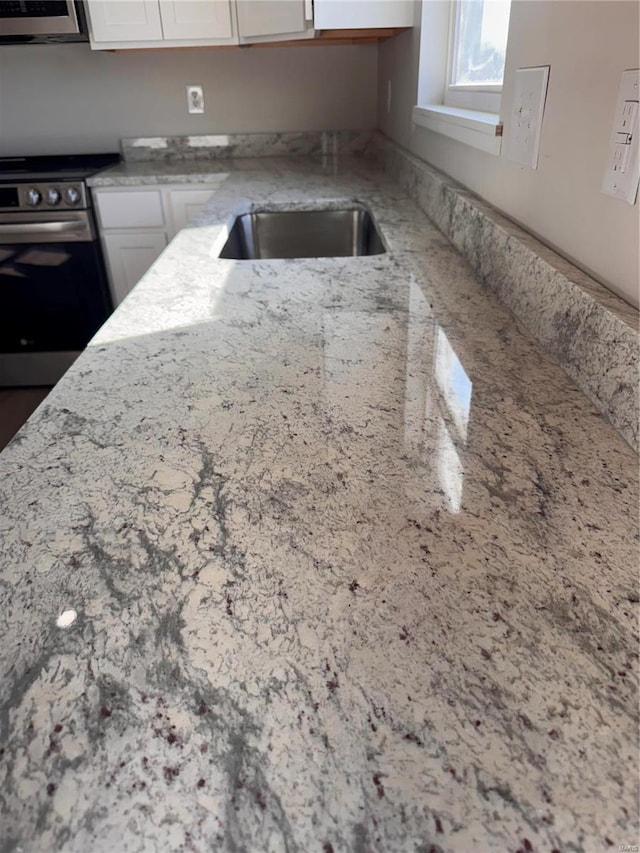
[(317, 555)]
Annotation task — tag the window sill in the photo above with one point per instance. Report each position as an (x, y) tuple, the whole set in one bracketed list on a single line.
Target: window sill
[(472, 127)]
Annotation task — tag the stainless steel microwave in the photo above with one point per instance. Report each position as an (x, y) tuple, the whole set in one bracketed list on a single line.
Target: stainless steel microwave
[(38, 21)]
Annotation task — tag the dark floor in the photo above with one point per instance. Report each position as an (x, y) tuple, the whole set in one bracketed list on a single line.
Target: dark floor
[(16, 405)]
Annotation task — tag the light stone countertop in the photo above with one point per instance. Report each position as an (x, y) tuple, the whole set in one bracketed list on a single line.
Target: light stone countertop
[(209, 169), (152, 173), (317, 555)]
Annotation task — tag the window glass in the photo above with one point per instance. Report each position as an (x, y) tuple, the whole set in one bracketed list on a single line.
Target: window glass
[(480, 42)]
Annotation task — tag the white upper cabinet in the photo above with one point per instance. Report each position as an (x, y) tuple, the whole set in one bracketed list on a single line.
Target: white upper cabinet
[(362, 14), (187, 19), (119, 24), (272, 18), (126, 20), (159, 23)]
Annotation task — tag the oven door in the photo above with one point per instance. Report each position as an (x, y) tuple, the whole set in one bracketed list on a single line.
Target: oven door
[(54, 294), (38, 17)]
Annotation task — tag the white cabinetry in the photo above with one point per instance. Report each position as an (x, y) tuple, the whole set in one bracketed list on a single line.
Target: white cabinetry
[(119, 24), (136, 224), (283, 18), (127, 20), (129, 255), (185, 19), (362, 14), (185, 204)]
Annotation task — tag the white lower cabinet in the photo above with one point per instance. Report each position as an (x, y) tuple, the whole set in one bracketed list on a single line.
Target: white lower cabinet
[(137, 223), (185, 204), (129, 256)]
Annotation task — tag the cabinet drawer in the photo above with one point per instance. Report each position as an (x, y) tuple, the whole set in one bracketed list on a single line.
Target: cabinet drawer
[(130, 209)]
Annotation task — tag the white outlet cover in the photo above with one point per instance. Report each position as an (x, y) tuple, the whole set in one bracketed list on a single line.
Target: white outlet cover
[(195, 99), (529, 98)]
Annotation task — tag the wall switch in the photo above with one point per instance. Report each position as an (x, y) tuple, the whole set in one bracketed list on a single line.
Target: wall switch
[(523, 141), (622, 171), (195, 99)]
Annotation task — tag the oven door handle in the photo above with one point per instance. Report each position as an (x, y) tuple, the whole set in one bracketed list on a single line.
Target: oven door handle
[(42, 228)]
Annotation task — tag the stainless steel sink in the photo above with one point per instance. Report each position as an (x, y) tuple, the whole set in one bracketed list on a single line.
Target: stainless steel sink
[(303, 234)]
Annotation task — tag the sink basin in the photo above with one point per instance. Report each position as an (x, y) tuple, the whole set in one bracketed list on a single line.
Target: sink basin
[(303, 234)]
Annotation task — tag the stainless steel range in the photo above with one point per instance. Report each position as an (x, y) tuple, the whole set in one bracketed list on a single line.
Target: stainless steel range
[(38, 21), (53, 288)]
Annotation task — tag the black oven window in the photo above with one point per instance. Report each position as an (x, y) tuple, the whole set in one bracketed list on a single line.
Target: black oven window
[(54, 296)]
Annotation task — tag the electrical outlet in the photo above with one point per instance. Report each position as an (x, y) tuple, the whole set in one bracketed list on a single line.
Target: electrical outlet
[(195, 99), (622, 172), (529, 99)]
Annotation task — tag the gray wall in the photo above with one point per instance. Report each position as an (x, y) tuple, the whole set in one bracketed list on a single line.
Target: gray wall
[(588, 45), (69, 99)]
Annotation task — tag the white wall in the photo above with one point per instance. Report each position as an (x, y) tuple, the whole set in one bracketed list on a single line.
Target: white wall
[(588, 45), (69, 99)]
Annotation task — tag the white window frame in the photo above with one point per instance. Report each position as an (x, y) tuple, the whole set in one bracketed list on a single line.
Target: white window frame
[(467, 113), (484, 97)]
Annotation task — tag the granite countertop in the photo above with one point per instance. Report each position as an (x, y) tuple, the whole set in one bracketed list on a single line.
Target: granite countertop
[(204, 169), (317, 555), (181, 171)]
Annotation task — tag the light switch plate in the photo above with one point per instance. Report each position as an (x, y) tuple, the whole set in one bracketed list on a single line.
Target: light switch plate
[(622, 171), (523, 140)]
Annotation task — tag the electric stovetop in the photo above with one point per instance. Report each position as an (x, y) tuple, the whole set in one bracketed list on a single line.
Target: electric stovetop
[(73, 167)]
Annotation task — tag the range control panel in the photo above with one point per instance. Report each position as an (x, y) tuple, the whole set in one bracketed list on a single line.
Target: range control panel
[(43, 196)]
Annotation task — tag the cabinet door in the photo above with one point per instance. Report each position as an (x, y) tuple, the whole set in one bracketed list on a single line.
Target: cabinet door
[(126, 20), (129, 255), (362, 14), (196, 19), (270, 17), (184, 205)]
